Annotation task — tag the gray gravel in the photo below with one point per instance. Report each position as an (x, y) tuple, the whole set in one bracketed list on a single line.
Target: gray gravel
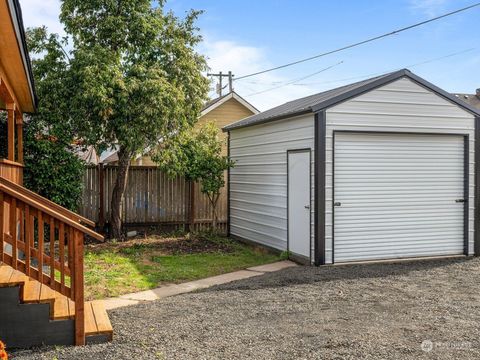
[(378, 311)]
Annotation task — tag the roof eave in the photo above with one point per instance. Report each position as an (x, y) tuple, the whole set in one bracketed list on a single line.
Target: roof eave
[(17, 20), (274, 118), (389, 79), (323, 105), (360, 90)]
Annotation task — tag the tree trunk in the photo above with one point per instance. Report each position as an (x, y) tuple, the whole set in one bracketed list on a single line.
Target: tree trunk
[(124, 158), (214, 202)]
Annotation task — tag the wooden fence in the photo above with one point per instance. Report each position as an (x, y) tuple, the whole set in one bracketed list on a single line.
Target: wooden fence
[(151, 199)]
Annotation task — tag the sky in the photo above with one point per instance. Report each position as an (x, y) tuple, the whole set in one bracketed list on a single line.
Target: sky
[(245, 36)]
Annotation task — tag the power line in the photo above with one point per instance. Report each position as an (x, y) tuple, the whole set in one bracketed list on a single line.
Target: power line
[(387, 71), (296, 80), (361, 42)]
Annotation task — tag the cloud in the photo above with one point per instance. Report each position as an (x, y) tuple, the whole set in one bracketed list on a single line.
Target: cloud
[(430, 8), (224, 55), (44, 12)]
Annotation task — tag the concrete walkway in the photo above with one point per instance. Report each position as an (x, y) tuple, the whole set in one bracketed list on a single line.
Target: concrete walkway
[(176, 289)]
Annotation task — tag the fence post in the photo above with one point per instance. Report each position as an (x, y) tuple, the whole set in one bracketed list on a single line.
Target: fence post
[(192, 206), (101, 178)]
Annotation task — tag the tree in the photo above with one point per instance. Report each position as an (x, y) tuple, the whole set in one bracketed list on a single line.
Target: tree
[(131, 77), (51, 167), (197, 155)]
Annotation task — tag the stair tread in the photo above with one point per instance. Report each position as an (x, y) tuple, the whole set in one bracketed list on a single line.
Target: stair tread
[(18, 278), (5, 275), (96, 319), (64, 308), (34, 291)]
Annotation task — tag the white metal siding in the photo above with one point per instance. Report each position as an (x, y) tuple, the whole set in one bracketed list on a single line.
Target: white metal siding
[(401, 106), (398, 196), (258, 182)]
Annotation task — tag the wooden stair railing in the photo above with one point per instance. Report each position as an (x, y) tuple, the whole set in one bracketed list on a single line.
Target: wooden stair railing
[(45, 201), (45, 242)]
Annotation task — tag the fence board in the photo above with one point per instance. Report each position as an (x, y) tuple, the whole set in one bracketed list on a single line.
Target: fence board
[(151, 197)]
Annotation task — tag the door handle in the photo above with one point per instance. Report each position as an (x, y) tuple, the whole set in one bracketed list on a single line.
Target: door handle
[(460, 200), (337, 204), (307, 206)]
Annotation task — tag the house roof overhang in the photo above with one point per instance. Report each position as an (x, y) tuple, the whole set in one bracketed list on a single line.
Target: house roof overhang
[(211, 105), (15, 65)]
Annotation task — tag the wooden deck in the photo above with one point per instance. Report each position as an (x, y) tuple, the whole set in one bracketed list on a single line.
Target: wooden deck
[(61, 307)]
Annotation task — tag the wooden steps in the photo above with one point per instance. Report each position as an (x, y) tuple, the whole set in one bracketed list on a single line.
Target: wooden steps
[(96, 319), (97, 322)]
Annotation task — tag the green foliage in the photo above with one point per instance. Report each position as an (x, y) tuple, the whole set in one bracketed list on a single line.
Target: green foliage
[(117, 270), (52, 170), (131, 77), (197, 154), (51, 167), (137, 75)]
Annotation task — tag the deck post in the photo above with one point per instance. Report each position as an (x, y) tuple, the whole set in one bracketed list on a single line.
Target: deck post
[(19, 132), (101, 186), (2, 226), (78, 284), (11, 130)]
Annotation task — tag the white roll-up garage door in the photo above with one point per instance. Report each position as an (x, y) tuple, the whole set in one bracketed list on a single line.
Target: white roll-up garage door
[(397, 196)]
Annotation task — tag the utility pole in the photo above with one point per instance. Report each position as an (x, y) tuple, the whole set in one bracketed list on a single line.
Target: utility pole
[(220, 86)]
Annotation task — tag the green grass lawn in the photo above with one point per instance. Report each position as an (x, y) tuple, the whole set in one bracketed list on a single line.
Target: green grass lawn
[(114, 269)]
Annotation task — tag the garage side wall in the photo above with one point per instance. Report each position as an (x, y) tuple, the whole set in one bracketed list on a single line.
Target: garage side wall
[(258, 182), (401, 106)]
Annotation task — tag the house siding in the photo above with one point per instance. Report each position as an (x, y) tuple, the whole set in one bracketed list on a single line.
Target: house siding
[(225, 114), (401, 106), (258, 182)]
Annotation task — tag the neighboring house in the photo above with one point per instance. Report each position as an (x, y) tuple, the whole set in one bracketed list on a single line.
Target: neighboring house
[(223, 111), (41, 271), (472, 99), (379, 169)]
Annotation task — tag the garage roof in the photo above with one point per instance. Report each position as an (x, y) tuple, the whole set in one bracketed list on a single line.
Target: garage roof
[(317, 102)]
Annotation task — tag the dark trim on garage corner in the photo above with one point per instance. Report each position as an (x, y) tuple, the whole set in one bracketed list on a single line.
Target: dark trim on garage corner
[(319, 171), (228, 185), (476, 217), (297, 257), (333, 196), (466, 191)]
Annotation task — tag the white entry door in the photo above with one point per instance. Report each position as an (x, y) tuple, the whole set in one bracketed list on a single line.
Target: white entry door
[(398, 196), (299, 202)]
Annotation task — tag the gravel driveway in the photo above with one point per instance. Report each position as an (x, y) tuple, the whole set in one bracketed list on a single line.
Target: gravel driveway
[(378, 311)]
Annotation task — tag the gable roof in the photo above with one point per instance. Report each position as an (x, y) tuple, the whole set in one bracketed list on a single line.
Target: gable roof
[(323, 100), (472, 99), (213, 104)]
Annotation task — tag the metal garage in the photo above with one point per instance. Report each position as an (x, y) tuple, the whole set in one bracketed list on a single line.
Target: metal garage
[(379, 169)]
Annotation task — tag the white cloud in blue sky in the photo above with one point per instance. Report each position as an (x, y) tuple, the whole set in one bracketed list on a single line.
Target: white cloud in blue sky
[(431, 8), (250, 35)]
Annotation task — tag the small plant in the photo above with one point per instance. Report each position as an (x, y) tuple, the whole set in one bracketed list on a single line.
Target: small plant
[(3, 351)]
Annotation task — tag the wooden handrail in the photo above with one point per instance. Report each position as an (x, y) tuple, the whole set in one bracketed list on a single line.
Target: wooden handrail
[(48, 210), (46, 202), (12, 163), (44, 244)]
